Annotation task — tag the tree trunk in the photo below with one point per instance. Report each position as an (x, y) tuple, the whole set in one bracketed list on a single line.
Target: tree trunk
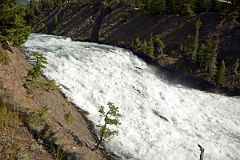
[(202, 152)]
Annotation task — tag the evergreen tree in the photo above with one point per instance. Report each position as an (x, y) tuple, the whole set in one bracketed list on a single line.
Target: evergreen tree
[(186, 8), (207, 56), (196, 41), (13, 27), (158, 44), (220, 74), (145, 46), (150, 48)]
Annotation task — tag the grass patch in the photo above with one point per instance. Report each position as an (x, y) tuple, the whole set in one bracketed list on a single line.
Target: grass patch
[(38, 118), (69, 117), (16, 154), (8, 118), (4, 57)]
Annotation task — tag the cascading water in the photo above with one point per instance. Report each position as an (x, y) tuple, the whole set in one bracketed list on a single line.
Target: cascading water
[(160, 121)]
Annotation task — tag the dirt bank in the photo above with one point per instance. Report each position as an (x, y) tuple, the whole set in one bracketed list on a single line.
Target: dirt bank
[(77, 138)]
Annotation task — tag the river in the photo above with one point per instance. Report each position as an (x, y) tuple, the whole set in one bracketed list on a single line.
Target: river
[(159, 120)]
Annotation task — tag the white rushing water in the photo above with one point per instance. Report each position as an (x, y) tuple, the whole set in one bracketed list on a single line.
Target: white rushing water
[(94, 74)]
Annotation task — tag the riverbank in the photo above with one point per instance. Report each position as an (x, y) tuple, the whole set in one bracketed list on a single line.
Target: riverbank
[(91, 23), (43, 117)]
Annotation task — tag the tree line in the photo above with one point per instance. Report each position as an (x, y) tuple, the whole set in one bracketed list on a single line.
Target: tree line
[(200, 54), (184, 7)]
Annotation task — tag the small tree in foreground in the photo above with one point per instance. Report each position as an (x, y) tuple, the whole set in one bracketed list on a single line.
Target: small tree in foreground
[(111, 117)]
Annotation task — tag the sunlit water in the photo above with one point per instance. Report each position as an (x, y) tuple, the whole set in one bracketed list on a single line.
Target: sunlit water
[(92, 75)]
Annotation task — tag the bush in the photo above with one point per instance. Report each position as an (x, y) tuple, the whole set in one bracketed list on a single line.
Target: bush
[(38, 118), (33, 80), (69, 117), (4, 57), (16, 154), (8, 118)]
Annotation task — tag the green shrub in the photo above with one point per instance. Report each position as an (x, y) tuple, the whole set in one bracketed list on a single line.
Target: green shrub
[(8, 118), (136, 42), (49, 84), (33, 80), (16, 154), (38, 118), (4, 57), (69, 117)]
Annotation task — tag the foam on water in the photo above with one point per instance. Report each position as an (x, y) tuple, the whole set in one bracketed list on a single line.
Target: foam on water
[(92, 75)]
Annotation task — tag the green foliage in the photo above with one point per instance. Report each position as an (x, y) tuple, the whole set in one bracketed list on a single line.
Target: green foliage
[(68, 117), (236, 66), (186, 8), (38, 118), (4, 57), (157, 6), (136, 42), (33, 79), (59, 153), (8, 118), (16, 154), (196, 41), (13, 27), (125, 17), (207, 56), (158, 44), (150, 48), (48, 85), (183, 7), (110, 117), (220, 74), (36, 71)]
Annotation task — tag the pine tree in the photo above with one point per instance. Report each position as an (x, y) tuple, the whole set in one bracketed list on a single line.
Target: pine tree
[(220, 74), (13, 27), (186, 7), (150, 48), (144, 46), (207, 56), (196, 41), (158, 45)]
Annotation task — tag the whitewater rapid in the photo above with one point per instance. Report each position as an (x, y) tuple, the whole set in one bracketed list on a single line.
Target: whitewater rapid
[(92, 75)]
